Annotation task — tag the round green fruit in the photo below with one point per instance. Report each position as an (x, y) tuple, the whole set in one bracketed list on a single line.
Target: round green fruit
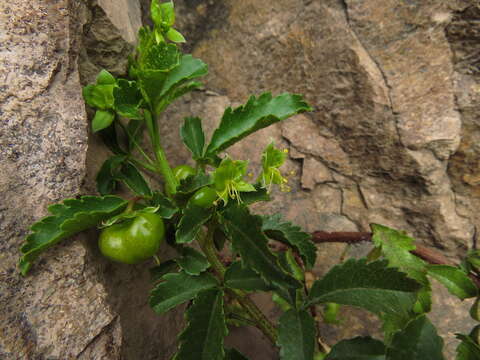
[(183, 171), (133, 240), (204, 197)]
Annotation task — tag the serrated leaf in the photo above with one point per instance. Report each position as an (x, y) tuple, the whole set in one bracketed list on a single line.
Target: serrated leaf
[(289, 234), (254, 196), (245, 231), (102, 120), (99, 96), (234, 354), (69, 218), (396, 246), (130, 175), (256, 114), (161, 57), (203, 337), (192, 262), (166, 208), (192, 136), (238, 277), (359, 348), (177, 289), (418, 341), (194, 217), (105, 78), (296, 335), (373, 286), (468, 349), (455, 280), (157, 272), (175, 36), (188, 69), (182, 90), (106, 179), (127, 99), (193, 183)]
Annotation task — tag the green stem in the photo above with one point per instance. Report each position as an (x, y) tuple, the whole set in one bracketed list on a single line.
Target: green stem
[(135, 143), (163, 165), (143, 164), (208, 248)]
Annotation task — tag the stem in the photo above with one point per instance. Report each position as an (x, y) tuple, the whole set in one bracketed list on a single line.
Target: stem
[(208, 248), (137, 145), (143, 164), (163, 165)]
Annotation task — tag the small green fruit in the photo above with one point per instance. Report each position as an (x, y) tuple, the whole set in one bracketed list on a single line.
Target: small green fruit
[(133, 240)]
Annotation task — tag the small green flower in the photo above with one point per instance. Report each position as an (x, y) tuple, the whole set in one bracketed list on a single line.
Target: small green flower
[(272, 159), (228, 179)]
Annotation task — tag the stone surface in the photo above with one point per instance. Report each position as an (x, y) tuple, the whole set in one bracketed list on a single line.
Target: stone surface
[(393, 139)]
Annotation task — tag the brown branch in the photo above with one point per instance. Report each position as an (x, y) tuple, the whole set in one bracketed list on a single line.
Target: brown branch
[(429, 255)]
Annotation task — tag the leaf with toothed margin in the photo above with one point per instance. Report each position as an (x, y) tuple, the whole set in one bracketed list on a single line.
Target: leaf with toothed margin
[(206, 329), (373, 286), (245, 231), (67, 219), (289, 234), (256, 114), (177, 289)]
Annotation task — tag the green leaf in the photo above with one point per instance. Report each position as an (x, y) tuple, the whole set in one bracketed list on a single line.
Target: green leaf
[(105, 78), (130, 175), (166, 208), (373, 286), (296, 335), (194, 217), (182, 90), (234, 354), (254, 196), (359, 348), (162, 14), (455, 280), (102, 120), (468, 349), (68, 218), (193, 183), (157, 272), (177, 289), (99, 96), (175, 36), (106, 178), (238, 277), (127, 99), (289, 234), (203, 337), (161, 57), (192, 262), (418, 341), (245, 231), (396, 247), (256, 114), (192, 136), (189, 68)]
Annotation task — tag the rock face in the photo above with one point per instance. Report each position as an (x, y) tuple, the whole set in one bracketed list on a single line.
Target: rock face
[(393, 139)]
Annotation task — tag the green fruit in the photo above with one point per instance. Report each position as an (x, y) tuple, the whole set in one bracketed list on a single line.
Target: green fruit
[(133, 240), (204, 197), (183, 171)]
